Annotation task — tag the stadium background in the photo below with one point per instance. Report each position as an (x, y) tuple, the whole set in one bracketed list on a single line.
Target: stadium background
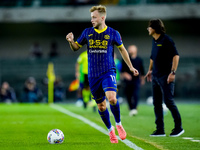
[(22, 22)]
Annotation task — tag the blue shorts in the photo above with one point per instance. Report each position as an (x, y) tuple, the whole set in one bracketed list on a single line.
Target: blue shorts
[(98, 86)]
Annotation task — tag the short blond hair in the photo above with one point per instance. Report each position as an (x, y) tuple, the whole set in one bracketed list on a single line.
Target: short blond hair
[(100, 8)]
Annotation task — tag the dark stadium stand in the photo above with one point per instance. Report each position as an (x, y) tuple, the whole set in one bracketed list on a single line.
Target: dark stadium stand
[(52, 3), (16, 71)]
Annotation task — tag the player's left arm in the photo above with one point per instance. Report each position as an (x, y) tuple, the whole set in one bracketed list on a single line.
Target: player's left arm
[(126, 58), (175, 62)]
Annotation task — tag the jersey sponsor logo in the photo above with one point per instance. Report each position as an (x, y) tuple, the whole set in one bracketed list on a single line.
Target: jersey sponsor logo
[(97, 51), (107, 37), (98, 44)]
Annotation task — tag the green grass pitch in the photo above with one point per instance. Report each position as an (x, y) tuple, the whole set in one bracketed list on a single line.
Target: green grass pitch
[(25, 127)]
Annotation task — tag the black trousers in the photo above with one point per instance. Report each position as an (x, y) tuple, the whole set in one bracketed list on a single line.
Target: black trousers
[(162, 91), (132, 91)]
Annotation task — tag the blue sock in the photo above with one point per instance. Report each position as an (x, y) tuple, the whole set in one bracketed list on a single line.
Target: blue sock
[(105, 117), (116, 111)]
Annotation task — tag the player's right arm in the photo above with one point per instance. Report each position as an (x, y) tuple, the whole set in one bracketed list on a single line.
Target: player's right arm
[(70, 38)]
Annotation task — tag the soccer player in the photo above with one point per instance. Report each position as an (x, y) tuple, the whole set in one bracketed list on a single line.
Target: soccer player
[(82, 75), (163, 65), (100, 40)]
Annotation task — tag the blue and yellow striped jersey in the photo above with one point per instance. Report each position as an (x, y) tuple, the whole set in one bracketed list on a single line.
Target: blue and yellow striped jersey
[(100, 47)]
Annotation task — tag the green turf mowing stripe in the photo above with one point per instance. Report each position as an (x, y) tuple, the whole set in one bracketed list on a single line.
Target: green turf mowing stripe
[(92, 124)]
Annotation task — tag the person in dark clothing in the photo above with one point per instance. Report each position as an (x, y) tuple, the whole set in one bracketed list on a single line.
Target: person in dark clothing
[(133, 83), (7, 93), (59, 90), (53, 53), (31, 93), (163, 65), (36, 51)]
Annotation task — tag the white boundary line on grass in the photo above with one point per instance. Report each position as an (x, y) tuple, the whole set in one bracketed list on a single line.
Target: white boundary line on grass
[(191, 139), (92, 124)]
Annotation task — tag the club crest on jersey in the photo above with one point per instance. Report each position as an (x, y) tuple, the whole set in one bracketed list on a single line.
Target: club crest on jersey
[(107, 36)]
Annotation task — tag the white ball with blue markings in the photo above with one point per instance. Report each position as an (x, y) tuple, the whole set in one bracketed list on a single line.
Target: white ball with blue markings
[(55, 136)]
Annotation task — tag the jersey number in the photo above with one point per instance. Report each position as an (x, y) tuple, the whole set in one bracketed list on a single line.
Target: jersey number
[(113, 78)]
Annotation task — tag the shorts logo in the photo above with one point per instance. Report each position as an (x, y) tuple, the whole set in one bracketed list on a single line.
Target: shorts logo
[(107, 37)]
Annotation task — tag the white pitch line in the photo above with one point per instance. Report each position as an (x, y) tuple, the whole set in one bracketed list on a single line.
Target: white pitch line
[(195, 140), (187, 138), (94, 125), (191, 139)]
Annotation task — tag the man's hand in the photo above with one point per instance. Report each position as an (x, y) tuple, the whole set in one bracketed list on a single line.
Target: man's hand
[(148, 76), (70, 37), (134, 71), (126, 76), (170, 78)]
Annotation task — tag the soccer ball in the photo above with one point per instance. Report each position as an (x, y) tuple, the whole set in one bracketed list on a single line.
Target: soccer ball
[(55, 136)]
